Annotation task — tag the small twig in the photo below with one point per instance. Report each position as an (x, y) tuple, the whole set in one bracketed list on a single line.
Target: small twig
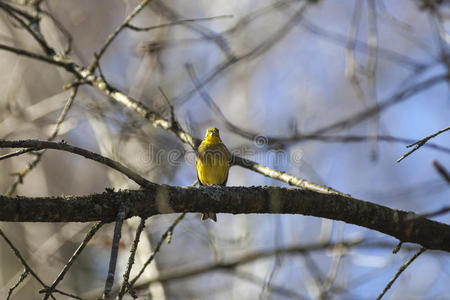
[(62, 29), (38, 145), (64, 112), (250, 258), (28, 268), (37, 35), (214, 107), (421, 142), (24, 275), (282, 141), (398, 97), (399, 272), (180, 22), (118, 30), (158, 246), (17, 153), (161, 8), (279, 289), (172, 111), (99, 67), (69, 66), (75, 255), (441, 170), (24, 14), (315, 282), (54, 134), (114, 251), (351, 64), (126, 275), (66, 294), (371, 69), (174, 124), (22, 260), (397, 248), (333, 271), (438, 212)]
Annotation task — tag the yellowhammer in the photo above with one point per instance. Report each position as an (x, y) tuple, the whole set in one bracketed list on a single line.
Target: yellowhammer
[(213, 163)]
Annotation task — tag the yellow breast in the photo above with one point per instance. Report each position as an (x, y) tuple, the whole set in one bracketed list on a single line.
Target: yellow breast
[(212, 162)]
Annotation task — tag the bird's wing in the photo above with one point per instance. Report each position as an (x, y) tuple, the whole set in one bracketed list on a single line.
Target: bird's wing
[(196, 171)]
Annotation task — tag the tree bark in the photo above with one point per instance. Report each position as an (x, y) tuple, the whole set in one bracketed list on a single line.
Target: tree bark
[(164, 199)]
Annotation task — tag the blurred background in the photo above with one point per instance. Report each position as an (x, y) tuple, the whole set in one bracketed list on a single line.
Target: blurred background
[(283, 70)]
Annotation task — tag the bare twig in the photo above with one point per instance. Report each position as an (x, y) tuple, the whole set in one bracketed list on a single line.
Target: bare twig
[(350, 67), (118, 30), (31, 165), (173, 120), (362, 138), (258, 13), (180, 22), (215, 108), (62, 29), (32, 30), (24, 275), (161, 8), (232, 266), (290, 294), (280, 141), (27, 267), (421, 142), (399, 272), (22, 260), (75, 255), (248, 258), (17, 153), (441, 170), (64, 113), (371, 69), (376, 109), (341, 39), (69, 66), (435, 213), (253, 53), (397, 248), (38, 145), (114, 252), (168, 232), (126, 285)]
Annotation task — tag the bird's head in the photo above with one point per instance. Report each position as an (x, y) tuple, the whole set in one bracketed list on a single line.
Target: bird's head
[(212, 132)]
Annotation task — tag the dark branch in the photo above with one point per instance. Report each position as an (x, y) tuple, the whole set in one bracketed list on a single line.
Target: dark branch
[(164, 199), (75, 255), (114, 252), (69, 66), (39, 145)]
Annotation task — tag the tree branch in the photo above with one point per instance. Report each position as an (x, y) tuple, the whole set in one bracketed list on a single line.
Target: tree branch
[(164, 199), (399, 272), (39, 145), (421, 142)]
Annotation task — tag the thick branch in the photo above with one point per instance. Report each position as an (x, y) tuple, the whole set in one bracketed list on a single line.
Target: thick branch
[(163, 199)]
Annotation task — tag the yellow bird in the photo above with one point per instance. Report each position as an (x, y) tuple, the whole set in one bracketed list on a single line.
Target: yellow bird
[(213, 163)]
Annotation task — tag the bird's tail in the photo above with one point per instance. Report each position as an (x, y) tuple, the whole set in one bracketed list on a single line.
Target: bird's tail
[(209, 215)]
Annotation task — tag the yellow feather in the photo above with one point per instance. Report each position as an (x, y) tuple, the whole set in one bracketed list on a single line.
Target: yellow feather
[(212, 162)]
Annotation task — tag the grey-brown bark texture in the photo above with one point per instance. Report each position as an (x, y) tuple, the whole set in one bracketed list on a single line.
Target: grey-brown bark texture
[(163, 199)]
